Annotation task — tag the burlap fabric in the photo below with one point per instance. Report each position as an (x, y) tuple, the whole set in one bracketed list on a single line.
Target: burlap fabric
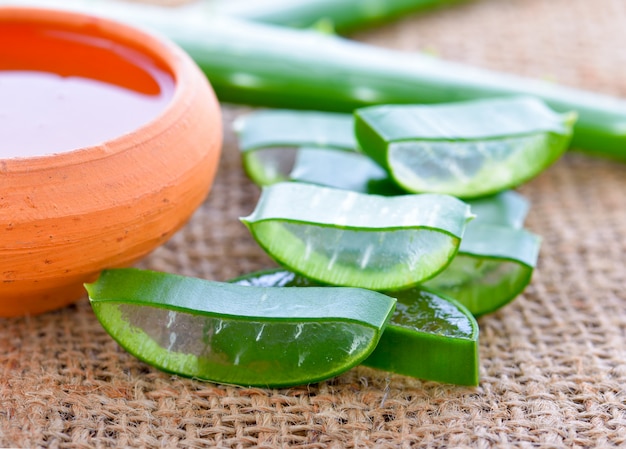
[(553, 363)]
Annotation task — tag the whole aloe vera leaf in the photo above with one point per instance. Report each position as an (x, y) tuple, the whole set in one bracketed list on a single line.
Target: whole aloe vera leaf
[(430, 336), (254, 63), (258, 64), (342, 15), (466, 149)]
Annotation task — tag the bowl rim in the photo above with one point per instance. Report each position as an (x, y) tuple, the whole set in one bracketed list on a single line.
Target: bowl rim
[(175, 61)]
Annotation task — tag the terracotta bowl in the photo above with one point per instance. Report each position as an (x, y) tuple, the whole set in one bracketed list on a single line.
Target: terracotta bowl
[(66, 216)]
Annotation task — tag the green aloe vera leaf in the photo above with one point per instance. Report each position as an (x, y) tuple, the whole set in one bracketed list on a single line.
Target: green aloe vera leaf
[(267, 139), (278, 128), (493, 266), (272, 66), (275, 277), (255, 63), (344, 15), (342, 169), (430, 336), (239, 335), (496, 258), (467, 149), (347, 238), (507, 208), (267, 166)]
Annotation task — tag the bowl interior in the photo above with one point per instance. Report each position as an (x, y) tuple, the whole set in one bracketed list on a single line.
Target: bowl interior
[(67, 82)]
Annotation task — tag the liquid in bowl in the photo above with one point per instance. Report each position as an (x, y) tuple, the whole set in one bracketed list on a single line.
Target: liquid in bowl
[(62, 90)]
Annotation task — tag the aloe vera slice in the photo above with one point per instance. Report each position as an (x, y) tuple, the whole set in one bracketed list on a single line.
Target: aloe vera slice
[(493, 266), (430, 336), (467, 149), (480, 277), (267, 139), (496, 258), (342, 169), (507, 208), (235, 334), (346, 238), (275, 128)]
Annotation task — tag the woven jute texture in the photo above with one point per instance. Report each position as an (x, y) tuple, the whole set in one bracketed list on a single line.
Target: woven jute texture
[(553, 362)]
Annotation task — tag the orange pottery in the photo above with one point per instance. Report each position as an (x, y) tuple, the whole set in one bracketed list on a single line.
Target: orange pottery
[(66, 215)]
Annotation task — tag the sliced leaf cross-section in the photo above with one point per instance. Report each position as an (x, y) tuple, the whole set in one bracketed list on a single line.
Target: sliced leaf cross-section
[(236, 334), (346, 238), (430, 336), (467, 149), (493, 266), (268, 139)]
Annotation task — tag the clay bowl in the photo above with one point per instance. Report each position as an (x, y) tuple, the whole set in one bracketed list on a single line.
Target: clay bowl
[(66, 215)]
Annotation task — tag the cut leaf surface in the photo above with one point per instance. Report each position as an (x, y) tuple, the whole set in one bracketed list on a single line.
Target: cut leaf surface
[(279, 128), (346, 238), (239, 335), (342, 169), (496, 258), (267, 139), (493, 266), (507, 208), (467, 149), (429, 336)]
